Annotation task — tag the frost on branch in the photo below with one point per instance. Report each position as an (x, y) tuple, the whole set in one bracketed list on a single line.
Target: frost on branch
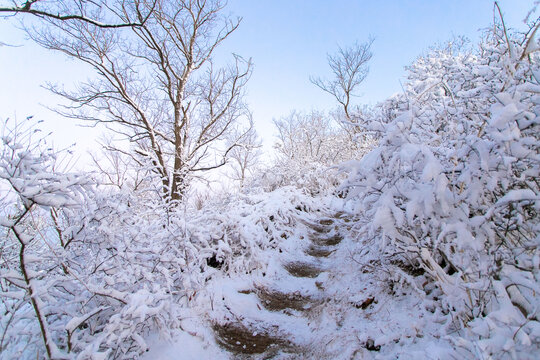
[(30, 258)]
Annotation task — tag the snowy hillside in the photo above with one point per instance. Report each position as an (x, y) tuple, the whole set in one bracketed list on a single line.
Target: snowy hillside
[(405, 230), (321, 296)]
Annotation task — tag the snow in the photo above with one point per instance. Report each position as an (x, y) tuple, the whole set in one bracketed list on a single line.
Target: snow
[(517, 195), (427, 236), (182, 346), (77, 321)]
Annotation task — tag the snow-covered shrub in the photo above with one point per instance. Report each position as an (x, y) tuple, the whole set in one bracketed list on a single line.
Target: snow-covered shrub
[(130, 265), (89, 271), (307, 146), (76, 272), (453, 187), (34, 278), (85, 271), (236, 230), (312, 178), (144, 263)]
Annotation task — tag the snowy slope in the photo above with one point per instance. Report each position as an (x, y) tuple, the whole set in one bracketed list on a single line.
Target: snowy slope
[(317, 298)]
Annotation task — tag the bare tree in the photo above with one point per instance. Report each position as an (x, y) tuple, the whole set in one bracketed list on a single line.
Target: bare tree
[(349, 68), (70, 10), (245, 156), (157, 85)]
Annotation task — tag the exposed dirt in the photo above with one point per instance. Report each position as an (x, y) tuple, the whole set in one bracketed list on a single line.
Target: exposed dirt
[(326, 222), (318, 228), (303, 269), (245, 341), (329, 241), (239, 339), (275, 300), (318, 251), (342, 216)]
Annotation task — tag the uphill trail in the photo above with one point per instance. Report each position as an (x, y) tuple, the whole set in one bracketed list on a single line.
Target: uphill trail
[(280, 314), (325, 292)]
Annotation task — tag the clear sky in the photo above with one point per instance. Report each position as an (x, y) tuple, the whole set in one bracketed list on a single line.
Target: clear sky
[(288, 41)]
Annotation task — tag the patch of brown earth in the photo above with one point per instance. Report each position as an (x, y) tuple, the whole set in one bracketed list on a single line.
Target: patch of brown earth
[(321, 229), (275, 300), (342, 216), (318, 251), (326, 222), (329, 241), (239, 339), (303, 269)]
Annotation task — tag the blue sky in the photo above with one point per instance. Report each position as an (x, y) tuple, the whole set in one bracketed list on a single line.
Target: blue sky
[(288, 41)]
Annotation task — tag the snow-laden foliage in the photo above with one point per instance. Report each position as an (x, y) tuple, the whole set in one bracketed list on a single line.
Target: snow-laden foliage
[(452, 188), (88, 272), (146, 263), (307, 145), (33, 270)]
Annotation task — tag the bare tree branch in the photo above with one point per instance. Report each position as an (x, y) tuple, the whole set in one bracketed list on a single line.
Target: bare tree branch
[(51, 13), (349, 67), (157, 86)]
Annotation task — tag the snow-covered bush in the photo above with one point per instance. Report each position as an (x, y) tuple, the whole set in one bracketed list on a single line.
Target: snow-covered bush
[(236, 229), (307, 146), (143, 264), (59, 293), (89, 271), (33, 272), (453, 187)]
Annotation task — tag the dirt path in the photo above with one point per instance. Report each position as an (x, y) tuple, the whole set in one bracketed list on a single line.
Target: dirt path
[(292, 310)]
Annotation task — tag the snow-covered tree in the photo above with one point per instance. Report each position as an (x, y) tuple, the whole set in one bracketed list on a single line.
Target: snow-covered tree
[(156, 84), (307, 145), (69, 10), (349, 69), (245, 157)]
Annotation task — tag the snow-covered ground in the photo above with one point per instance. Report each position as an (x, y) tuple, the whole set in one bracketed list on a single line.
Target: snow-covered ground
[(425, 244), (337, 304)]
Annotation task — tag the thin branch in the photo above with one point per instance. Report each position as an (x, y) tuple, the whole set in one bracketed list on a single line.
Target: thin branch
[(26, 8)]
